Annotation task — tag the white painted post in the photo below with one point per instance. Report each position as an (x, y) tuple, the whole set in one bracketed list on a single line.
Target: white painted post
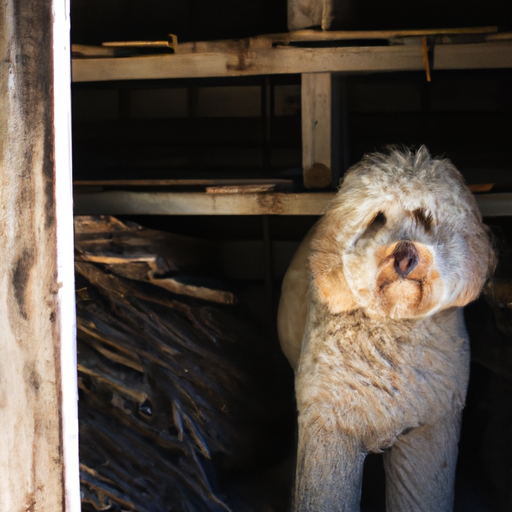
[(65, 251)]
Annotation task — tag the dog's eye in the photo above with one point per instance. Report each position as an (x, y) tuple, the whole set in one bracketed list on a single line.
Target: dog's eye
[(378, 221), (424, 218), (373, 227)]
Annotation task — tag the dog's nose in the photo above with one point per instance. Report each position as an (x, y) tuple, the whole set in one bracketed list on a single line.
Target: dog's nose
[(406, 258)]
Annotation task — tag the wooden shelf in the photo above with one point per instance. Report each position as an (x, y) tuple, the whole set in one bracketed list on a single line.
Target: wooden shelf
[(274, 54), (251, 59), (200, 203)]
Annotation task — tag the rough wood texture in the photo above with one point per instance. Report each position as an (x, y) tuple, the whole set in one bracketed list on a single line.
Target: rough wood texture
[(170, 400), (343, 35), (31, 450), (309, 13), (287, 59), (148, 255), (320, 130), (269, 40), (198, 203), (217, 184)]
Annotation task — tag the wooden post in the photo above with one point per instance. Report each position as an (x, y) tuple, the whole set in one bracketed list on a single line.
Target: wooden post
[(38, 414), (309, 13), (321, 116)]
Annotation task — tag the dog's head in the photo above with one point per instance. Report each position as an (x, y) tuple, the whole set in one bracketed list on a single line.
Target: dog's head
[(403, 238)]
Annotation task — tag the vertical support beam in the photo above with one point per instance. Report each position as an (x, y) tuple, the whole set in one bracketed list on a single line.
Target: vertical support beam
[(309, 13), (38, 418), (321, 117)]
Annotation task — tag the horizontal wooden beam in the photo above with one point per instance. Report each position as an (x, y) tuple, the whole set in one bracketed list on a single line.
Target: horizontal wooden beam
[(344, 35), (198, 203), (198, 182), (288, 59)]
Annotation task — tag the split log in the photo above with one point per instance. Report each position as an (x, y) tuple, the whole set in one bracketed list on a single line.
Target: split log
[(170, 397)]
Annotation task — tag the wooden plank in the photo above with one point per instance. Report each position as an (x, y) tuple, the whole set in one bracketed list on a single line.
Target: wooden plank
[(199, 182), (38, 420), (287, 59), (317, 133), (473, 56), (279, 60), (344, 35), (241, 189), (269, 40), (198, 203)]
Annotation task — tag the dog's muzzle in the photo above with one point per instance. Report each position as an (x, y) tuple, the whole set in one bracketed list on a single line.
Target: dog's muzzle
[(406, 258)]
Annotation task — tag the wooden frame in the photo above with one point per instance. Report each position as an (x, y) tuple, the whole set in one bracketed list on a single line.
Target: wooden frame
[(38, 388), (251, 59), (321, 111), (198, 203)]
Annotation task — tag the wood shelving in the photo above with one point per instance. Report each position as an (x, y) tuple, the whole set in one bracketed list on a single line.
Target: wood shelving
[(277, 54), (118, 202), (251, 59)]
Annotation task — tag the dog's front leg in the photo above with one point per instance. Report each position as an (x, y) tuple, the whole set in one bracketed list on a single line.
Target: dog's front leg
[(420, 468), (329, 471)]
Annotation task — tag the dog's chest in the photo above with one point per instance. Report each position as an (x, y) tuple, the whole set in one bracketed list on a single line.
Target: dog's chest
[(382, 377)]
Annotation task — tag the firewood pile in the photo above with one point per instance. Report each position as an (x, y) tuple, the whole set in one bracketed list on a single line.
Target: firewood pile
[(172, 393)]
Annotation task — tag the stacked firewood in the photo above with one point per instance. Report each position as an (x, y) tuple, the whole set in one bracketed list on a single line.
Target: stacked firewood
[(171, 394)]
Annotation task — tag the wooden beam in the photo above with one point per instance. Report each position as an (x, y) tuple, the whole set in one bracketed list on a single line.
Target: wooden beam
[(288, 59), (199, 203), (194, 182), (38, 418), (345, 35), (473, 56), (321, 115)]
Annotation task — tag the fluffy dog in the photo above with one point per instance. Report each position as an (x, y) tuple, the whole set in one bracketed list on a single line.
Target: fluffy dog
[(370, 318)]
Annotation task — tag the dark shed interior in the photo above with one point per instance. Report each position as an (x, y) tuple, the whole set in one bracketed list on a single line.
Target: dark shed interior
[(249, 128)]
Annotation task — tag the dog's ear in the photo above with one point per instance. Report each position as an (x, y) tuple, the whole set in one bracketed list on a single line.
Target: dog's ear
[(482, 261), (333, 290), (325, 263)]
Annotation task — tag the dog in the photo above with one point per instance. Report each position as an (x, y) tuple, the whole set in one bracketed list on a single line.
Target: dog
[(370, 318)]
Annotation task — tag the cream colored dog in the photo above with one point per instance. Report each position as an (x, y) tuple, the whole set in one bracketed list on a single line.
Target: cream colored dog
[(370, 318)]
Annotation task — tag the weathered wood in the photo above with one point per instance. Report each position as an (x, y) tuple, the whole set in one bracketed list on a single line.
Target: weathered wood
[(321, 116), (242, 189), (344, 35), (473, 56), (169, 399), (172, 43), (287, 59), (268, 40), (309, 13), (199, 182), (148, 255), (197, 203), (108, 241), (38, 451), (503, 36)]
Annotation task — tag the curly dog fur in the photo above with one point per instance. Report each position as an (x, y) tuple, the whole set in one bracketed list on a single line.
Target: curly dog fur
[(370, 318)]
